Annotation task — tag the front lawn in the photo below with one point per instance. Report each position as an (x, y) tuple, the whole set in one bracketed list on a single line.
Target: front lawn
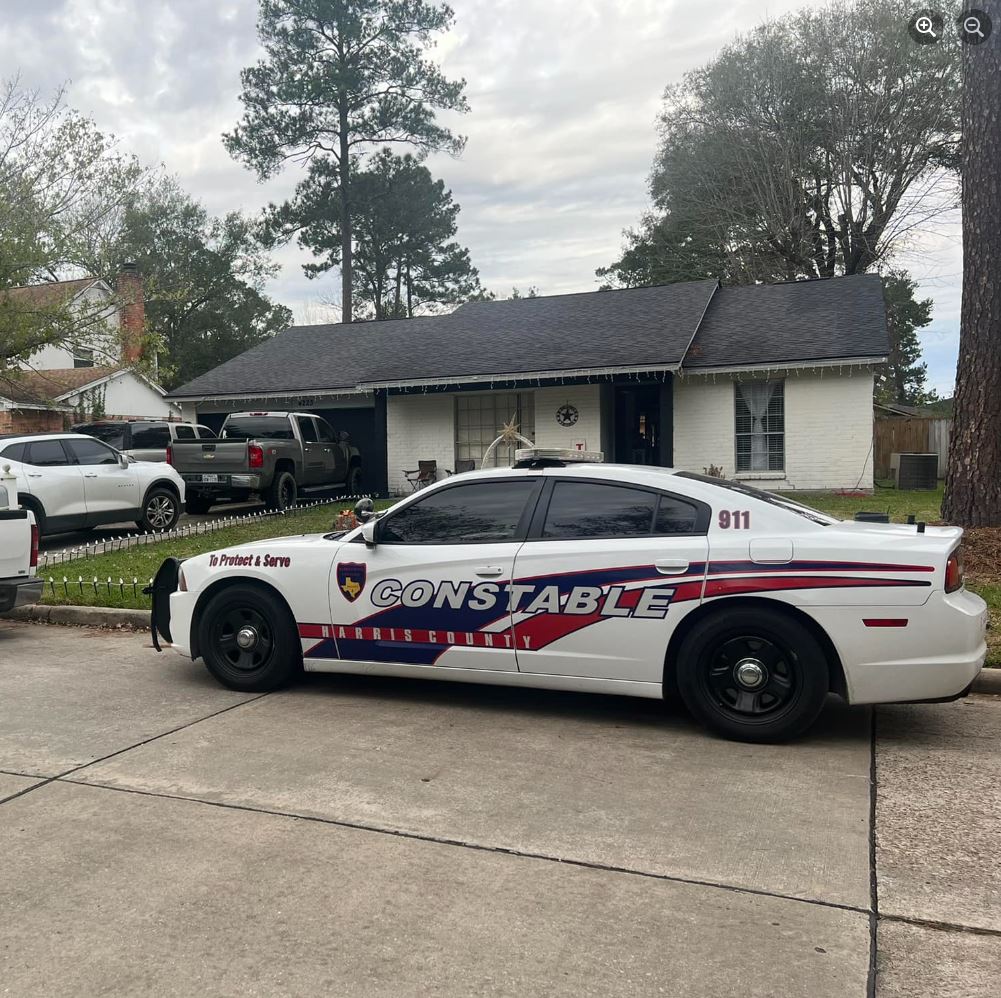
[(925, 506)]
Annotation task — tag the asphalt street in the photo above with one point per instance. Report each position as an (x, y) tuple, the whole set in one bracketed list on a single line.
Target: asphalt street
[(362, 836)]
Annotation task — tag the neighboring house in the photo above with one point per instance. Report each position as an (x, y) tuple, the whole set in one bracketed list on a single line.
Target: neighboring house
[(97, 373), (772, 384)]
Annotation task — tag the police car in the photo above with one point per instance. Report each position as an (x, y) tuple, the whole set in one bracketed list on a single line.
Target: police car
[(566, 573)]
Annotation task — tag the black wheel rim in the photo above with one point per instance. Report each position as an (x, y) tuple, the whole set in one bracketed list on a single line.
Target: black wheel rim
[(286, 495), (244, 639), (751, 678)]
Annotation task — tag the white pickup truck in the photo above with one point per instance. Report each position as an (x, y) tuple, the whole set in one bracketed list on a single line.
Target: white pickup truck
[(18, 548)]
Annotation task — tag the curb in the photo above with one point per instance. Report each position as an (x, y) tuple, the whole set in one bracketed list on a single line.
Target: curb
[(989, 681), (84, 616)]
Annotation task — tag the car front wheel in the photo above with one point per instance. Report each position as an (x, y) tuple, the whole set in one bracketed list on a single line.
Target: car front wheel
[(248, 640), (161, 511), (752, 675)]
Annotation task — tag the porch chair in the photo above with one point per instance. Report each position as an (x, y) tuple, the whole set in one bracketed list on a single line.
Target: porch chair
[(425, 473)]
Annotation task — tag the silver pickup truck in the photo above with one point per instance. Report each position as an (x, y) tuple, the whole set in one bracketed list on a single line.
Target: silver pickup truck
[(271, 455), (18, 548)]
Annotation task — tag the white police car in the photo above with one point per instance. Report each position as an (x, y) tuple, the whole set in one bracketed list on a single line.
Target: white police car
[(586, 576)]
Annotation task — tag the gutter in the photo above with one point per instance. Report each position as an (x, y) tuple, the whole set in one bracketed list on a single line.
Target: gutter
[(289, 393), (785, 365)]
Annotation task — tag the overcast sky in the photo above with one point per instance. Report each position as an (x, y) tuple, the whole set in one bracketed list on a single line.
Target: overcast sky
[(563, 94)]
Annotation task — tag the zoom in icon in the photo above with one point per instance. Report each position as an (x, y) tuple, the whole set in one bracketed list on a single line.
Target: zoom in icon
[(925, 27)]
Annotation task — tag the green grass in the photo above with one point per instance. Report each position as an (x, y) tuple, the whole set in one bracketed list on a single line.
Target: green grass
[(925, 506), (142, 562)]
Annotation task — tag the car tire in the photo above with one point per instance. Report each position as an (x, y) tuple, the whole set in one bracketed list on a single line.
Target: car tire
[(197, 507), (160, 512), (753, 675), (282, 492), (36, 508), (353, 485), (268, 654)]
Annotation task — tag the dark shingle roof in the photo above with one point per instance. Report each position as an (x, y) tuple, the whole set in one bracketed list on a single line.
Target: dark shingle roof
[(842, 317), (636, 329)]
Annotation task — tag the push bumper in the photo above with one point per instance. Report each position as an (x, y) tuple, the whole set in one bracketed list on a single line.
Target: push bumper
[(20, 592)]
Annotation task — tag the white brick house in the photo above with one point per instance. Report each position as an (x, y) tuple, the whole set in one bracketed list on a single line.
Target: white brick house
[(770, 383)]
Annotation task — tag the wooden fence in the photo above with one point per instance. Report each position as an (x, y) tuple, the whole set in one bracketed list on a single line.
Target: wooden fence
[(896, 435)]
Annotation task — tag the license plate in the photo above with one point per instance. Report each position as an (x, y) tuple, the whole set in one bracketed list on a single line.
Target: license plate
[(210, 478)]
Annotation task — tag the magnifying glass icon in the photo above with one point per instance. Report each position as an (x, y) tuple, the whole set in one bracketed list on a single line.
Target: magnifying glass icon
[(925, 26), (972, 27)]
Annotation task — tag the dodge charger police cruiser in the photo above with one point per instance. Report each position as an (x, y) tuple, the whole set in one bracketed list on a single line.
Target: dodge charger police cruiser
[(566, 573)]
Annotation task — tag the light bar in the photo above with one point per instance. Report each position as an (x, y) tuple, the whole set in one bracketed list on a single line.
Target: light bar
[(565, 455)]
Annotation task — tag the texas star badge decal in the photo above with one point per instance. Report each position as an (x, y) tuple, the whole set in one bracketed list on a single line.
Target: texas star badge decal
[(351, 579)]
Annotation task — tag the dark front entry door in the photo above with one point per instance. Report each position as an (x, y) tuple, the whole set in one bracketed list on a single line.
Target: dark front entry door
[(637, 424)]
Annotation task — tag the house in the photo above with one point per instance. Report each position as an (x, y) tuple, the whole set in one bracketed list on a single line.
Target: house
[(771, 384), (94, 375)]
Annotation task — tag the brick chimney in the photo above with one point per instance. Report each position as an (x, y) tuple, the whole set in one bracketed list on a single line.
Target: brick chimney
[(132, 317)]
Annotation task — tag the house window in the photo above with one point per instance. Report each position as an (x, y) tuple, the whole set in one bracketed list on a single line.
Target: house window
[(760, 425), (83, 357), (479, 419)]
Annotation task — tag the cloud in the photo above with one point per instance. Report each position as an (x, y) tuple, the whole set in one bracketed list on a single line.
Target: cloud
[(561, 135)]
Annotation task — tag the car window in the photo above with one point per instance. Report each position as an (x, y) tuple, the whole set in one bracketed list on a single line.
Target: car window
[(327, 434), (465, 514), (46, 454), (675, 516), (307, 428), (14, 452), (205, 433), (112, 434), (249, 427), (155, 437), (184, 433), (592, 509), (90, 452)]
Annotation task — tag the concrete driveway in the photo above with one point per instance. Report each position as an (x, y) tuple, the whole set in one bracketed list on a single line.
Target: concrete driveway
[(380, 837)]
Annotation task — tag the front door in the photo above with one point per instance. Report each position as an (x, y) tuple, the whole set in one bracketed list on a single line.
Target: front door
[(433, 591), (637, 425), (607, 574), (110, 490)]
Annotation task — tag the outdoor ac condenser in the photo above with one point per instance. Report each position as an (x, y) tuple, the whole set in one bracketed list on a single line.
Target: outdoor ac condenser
[(915, 471)]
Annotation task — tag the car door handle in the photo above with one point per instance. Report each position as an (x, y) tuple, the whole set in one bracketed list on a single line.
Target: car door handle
[(488, 571), (90, 474), (34, 474), (671, 566)]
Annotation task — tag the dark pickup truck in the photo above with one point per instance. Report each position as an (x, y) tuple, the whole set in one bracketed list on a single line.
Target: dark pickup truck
[(272, 455)]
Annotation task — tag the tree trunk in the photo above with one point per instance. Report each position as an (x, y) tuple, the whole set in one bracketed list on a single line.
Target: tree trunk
[(410, 294), (973, 481), (347, 262)]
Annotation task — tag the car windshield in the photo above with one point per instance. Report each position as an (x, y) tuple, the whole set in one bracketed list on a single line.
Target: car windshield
[(250, 427), (769, 497)]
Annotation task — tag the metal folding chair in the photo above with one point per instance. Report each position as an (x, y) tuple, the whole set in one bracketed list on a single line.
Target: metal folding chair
[(425, 473)]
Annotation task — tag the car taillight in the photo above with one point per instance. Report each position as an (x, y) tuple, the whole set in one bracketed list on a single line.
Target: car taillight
[(170, 454), (954, 572), (33, 562), (256, 456)]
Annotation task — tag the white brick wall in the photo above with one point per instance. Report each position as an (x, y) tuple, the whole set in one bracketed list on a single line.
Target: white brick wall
[(828, 429), (549, 433), (418, 428)]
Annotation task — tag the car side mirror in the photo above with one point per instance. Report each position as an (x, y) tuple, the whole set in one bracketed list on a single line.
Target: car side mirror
[(124, 461), (364, 510), (343, 436), (368, 532)]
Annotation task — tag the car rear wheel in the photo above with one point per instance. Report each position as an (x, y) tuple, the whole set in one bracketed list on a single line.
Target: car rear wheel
[(248, 640), (354, 481), (752, 675), (282, 493), (161, 511), (36, 508)]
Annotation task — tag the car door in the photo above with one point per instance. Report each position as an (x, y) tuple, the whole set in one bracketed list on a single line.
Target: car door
[(608, 569), (111, 491), (56, 482), (433, 590), (312, 451), (335, 465)]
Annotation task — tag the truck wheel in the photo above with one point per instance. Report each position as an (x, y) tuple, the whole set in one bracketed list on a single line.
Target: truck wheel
[(282, 492), (161, 511), (249, 640), (197, 507), (752, 675), (353, 485)]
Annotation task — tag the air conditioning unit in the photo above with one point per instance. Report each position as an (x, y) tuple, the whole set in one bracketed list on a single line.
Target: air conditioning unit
[(915, 471)]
